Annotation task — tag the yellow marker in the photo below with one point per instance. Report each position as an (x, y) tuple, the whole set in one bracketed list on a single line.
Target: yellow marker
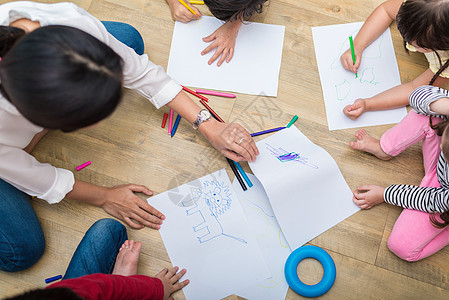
[(197, 2), (188, 7)]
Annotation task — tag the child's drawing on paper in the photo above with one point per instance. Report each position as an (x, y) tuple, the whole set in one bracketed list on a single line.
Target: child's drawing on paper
[(217, 198), (285, 156)]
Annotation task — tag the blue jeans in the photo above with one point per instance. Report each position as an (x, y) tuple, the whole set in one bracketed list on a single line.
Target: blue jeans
[(126, 34), (98, 249), (22, 241)]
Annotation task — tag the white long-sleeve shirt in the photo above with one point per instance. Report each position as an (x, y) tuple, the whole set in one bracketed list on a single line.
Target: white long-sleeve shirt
[(20, 168)]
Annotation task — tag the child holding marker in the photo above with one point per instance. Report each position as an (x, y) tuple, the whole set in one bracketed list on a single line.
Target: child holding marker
[(423, 25), (233, 12), (73, 78), (421, 230)]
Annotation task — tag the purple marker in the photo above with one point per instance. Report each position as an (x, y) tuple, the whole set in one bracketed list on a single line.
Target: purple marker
[(288, 157)]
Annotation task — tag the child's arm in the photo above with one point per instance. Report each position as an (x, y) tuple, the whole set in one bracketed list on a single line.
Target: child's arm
[(180, 13), (392, 98), (120, 202), (374, 26), (223, 39)]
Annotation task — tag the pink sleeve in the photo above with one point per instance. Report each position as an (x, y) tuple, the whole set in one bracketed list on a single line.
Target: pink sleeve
[(114, 287)]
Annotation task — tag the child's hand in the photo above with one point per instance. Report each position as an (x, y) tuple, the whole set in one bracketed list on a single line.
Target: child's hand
[(355, 110), (367, 196), (170, 281), (122, 203), (348, 63), (180, 13), (224, 40)]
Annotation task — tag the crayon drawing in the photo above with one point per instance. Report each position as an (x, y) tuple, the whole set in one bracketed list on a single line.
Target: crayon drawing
[(378, 72), (207, 232), (285, 156), (216, 195)]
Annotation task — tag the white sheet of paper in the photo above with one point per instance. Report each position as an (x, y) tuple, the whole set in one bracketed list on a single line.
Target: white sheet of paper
[(377, 73), (270, 238), (206, 232), (306, 189), (254, 68)]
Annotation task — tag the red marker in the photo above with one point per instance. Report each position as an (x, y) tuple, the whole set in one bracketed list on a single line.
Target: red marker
[(164, 120), (195, 94)]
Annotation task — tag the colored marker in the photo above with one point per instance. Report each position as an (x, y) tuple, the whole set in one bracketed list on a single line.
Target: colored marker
[(164, 121), (194, 93), (170, 121), (54, 278), (239, 167), (188, 7), (236, 173), (178, 118), (213, 93), (292, 121), (351, 42), (196, 2), (212, 112), (267, 131), (83, 165)]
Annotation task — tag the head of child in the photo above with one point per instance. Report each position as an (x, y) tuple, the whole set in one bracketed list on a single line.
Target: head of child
[(230, 10), (423, 24), (59, 77)]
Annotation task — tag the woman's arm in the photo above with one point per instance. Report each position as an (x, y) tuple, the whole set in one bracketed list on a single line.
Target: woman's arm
[(120, 202)]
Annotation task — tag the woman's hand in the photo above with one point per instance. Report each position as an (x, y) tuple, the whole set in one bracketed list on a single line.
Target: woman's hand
[(170, 281), (230, 139), (355, 110), (224, 40), (367, 196), (180, 13), (122, 203), (348, 63)]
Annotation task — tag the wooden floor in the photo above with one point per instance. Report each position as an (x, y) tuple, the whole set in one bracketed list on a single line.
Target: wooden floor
[(130, 146)]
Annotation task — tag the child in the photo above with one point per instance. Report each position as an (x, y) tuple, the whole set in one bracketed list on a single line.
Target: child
[(233, 12), (73, 79), (421, 229), (423, 25), (104, 266)]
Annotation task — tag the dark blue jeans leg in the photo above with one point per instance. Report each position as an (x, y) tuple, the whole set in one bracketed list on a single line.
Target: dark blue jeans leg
[(98, 249), (22, 241), (126, 34)]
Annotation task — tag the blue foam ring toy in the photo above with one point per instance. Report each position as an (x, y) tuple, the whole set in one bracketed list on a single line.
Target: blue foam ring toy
[(291, 273)]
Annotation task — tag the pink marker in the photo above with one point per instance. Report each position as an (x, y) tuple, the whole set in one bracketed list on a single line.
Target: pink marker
[(83, 166), (213, 93), (170, 121)]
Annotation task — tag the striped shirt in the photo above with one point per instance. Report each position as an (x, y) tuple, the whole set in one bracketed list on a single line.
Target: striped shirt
[(427, 199)]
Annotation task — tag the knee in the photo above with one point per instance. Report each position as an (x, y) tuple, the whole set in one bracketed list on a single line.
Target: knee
[(20, 254), (108, 226), (402, 251)]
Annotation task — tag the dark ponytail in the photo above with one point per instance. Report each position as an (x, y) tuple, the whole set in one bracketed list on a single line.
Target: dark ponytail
[(60, 77), (8, 37), (230, 10)]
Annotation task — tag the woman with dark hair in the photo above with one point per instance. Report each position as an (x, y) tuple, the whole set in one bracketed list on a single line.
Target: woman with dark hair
[(233, 12), (61, 68)]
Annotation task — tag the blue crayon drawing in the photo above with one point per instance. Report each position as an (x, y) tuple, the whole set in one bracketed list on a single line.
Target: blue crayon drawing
[(285, 156), (216, 196)]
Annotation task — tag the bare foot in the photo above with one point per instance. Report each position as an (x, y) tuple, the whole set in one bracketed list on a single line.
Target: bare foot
[(127, 258), (367, 143)]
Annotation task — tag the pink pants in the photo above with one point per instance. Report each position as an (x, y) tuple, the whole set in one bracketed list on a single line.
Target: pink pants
[(413, 236)]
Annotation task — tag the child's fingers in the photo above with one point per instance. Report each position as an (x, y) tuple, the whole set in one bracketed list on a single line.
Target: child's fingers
[(210, 38), (180, 285), (224, 54), (162, 273), (230, 55), (172, 273), (209, 48), (216, 55), (178, 276)]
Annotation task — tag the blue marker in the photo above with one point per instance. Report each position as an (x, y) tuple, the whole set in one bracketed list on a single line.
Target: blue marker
[(175, 126), (54, 278), (239, 167)]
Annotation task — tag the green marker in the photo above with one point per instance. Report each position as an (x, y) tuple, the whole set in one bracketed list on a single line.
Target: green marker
[(352, 52), (292, 121)]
